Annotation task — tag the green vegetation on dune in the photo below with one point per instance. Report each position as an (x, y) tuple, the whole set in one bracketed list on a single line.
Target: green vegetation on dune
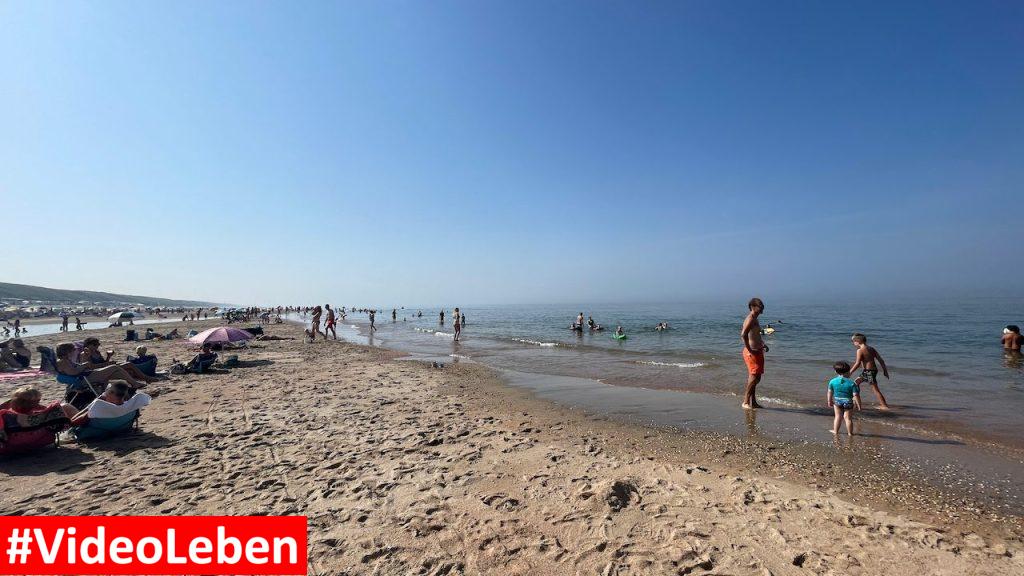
[(55, 295)]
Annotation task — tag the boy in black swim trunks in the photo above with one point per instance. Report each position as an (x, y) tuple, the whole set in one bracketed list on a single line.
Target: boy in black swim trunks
[(869, 360)]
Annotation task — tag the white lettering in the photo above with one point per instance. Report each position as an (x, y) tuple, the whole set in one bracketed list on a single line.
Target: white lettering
[(255, 546), (199, 546), (119, 546), (49, 554), (222, 542), (140, 550), (98, 542), (172, 558), (293, 555)]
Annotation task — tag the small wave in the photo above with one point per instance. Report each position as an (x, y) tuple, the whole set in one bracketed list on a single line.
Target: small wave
[(444, 334), (676, 364), (781, 402), (536, 343), (459, 356)]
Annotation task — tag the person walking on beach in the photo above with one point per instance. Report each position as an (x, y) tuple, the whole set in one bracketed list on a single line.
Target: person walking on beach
[(457, 324), (463, 320), (1012, 338), (869, 360), (373, 318), (315, 328), (78, 323), (442, 318), (843, 397), (753, 352), (394, 315), (329, 326), (63, 322)]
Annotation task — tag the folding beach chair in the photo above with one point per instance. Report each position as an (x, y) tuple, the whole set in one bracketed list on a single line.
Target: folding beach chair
[(42, 431), (78, 391), (100, 428), (47, 359), (202, 365), (147, 366)]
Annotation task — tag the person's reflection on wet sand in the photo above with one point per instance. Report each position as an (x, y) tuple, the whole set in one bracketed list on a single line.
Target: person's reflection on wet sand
[(751, 416), (1013, 359)]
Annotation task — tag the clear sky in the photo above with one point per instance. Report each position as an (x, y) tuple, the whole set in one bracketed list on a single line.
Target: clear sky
[(413, 153)]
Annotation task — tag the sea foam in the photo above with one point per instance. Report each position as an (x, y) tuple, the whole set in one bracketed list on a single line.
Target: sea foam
[(676, 364), (536, 343)]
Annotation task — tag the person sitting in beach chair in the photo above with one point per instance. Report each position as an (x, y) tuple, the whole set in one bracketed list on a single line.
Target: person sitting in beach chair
[(8, 361), (22, 355), (96, 359), (146, 363), (79, 379), (27, 424), (203, 361), (115, 411)]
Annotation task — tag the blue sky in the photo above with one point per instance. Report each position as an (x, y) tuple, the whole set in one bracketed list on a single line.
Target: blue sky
[(415, 153)]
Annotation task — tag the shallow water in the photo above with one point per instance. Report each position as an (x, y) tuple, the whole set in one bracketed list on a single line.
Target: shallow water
[(949, 372), (957, 399)]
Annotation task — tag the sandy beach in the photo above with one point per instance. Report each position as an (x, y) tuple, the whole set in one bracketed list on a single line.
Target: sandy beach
[(402, 468)]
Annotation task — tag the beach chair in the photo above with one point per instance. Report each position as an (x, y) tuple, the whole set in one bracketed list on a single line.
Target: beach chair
[(47, 359), (101, 428), (31, 438), (200, 365), (146, 365), (78, 391)]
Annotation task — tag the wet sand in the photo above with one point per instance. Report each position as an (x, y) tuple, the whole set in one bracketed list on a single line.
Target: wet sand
[(403, 468)]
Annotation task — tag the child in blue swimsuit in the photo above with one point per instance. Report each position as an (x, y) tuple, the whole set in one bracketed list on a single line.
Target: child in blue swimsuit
[(843, 396)]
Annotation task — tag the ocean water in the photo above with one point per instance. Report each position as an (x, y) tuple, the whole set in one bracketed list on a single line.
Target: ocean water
[(950, 375)]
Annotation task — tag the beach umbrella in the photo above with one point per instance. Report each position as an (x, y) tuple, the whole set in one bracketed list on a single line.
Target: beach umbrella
[(122, 316), (221, 335)]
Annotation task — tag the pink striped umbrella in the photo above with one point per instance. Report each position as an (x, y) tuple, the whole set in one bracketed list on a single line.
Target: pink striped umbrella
[(221, 335)]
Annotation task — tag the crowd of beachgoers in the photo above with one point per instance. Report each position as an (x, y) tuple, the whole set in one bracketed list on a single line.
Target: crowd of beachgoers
[(414, 455), (102, 394), (97, 383)]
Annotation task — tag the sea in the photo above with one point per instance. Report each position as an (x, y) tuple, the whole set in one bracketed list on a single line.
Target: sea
[(957, 398)]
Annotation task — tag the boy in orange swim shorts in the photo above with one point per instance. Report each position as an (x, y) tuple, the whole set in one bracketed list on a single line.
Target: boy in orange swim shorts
[(753, 351)]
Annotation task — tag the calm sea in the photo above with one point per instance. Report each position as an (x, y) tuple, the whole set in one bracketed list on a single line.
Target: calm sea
[(949, 372)]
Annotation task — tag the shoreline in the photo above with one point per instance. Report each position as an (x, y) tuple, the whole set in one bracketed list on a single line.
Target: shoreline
[(961, 472), (349, 417)]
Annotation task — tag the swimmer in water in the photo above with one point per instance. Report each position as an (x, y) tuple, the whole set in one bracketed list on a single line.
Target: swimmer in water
[(619, 331), (1012, 339)]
